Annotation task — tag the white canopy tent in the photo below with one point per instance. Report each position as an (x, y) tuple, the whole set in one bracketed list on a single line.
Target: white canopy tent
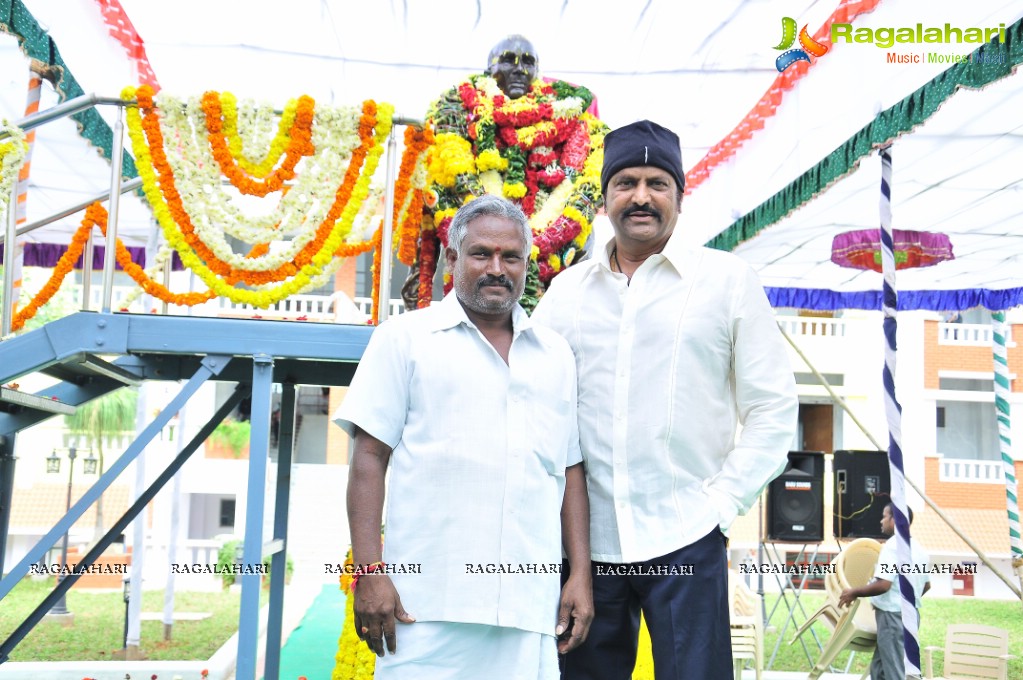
[(696, 70)]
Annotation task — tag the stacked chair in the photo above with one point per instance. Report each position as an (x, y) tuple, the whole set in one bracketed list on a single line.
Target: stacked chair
[(746, 618)]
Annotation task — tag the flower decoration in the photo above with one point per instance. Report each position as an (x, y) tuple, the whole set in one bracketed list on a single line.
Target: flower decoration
[(96, 217), (353, 660), (13, 151), (313, 146), (861, 249), (541, 150)]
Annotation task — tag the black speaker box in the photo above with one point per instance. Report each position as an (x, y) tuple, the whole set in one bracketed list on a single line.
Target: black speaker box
[(795, 500), (862, 488)]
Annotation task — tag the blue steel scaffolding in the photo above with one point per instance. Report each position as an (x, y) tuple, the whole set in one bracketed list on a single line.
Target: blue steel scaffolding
[(94, 353)]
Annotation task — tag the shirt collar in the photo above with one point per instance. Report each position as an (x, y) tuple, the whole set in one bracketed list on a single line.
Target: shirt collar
[(451, 313), (675, 252)]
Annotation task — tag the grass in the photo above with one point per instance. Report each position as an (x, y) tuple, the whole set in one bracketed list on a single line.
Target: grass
[(935, 616), (98, 630)]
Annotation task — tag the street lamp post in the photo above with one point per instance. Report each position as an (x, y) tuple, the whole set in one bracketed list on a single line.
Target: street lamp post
[(53, 466), (127, 601)]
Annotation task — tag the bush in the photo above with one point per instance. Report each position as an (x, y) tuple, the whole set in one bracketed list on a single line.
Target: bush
[(234, 434), (226, 558)]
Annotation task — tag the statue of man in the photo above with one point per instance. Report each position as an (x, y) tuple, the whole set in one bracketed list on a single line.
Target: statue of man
[(514, 65), (531, 140)]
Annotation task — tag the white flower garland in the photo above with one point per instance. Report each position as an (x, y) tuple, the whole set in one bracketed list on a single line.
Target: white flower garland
[(257, 127), (13, 151), (213, 209)]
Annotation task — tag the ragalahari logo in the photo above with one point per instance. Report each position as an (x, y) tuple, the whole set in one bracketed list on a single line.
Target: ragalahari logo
[(788, 36)]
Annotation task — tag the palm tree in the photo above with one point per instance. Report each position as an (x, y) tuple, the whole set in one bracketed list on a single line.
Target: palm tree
[(97, 422)]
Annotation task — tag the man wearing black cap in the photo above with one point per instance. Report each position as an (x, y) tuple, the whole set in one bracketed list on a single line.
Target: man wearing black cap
[(675, 346)]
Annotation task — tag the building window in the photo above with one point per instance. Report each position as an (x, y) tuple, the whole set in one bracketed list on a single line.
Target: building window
[(227, 513), (967, 430)]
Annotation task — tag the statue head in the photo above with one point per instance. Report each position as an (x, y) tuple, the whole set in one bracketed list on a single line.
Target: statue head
[(514, 65)]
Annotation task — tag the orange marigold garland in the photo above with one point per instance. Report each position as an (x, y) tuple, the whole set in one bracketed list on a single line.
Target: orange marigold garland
[(428, 247), (63, 267), (96, 216), (417, 144), (378, 238), (299, 145), (154, 135)]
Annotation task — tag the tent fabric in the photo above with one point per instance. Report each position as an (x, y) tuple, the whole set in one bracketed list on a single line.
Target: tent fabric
[(820, 299), (47, 255), (993, 61), (37, 44), (777, 199)]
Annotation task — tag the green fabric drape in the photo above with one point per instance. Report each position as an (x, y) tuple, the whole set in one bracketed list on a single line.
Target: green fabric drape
[(16, 20), (992, 61)]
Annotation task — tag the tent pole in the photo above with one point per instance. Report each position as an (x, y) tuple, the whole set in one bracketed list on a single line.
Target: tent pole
[(941, 513)]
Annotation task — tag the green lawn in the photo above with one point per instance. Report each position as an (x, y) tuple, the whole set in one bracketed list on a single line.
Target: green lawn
[(935, 615), (99, 625)]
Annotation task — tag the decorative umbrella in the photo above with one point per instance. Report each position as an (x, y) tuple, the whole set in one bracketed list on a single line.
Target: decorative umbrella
[(861, 249)]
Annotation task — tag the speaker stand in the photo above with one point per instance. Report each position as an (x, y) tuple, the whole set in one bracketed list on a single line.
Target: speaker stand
[(795, 583)]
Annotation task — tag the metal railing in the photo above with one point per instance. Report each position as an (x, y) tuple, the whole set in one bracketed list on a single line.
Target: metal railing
[(812, 326), (969, 334), (973, 471)]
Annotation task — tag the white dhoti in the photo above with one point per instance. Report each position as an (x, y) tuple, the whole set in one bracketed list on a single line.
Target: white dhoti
[(439, 650)]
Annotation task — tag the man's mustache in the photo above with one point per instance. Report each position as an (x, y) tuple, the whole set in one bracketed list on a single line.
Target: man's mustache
[(643, 209), (494, 281)]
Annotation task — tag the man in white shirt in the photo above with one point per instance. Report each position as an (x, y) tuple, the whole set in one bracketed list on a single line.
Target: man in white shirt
[(473, 408), (674, 346), (889, 661)]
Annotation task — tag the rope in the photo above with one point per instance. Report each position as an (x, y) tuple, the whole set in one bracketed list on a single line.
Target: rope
[(893, 411)]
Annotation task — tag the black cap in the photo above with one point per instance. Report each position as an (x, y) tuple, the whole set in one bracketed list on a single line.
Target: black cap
[(642, 143)]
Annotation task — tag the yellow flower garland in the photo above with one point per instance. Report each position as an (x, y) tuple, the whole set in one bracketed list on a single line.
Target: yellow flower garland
[(354, 660), (261, 169), (304, 278)]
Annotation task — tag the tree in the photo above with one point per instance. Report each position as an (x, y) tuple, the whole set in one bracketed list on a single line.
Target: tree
[(96, 422)]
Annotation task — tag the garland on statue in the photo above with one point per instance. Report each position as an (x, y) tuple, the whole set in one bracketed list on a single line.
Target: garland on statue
[(540, 150)]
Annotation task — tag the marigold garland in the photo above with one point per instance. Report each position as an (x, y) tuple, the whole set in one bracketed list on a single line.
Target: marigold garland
[(299, 145), (327, 230), (13, 151), (96, 216), (235, 144), (354, 660), (158, 183), (64, 266), (540, 150), (375, 292), (407, 199)]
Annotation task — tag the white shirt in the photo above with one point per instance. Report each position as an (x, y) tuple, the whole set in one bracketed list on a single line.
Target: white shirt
[(668, 366), (477, 473), (887, 569)]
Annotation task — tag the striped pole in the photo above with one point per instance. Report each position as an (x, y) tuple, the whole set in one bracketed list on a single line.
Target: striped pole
[(1005, 443), (17, 259), (893, 411)]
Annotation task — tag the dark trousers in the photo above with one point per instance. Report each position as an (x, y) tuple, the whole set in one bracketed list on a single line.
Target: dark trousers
[(686, 614)]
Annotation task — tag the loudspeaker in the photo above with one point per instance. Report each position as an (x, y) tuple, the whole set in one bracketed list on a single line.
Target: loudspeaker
[(862, 488), (795, 500)]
